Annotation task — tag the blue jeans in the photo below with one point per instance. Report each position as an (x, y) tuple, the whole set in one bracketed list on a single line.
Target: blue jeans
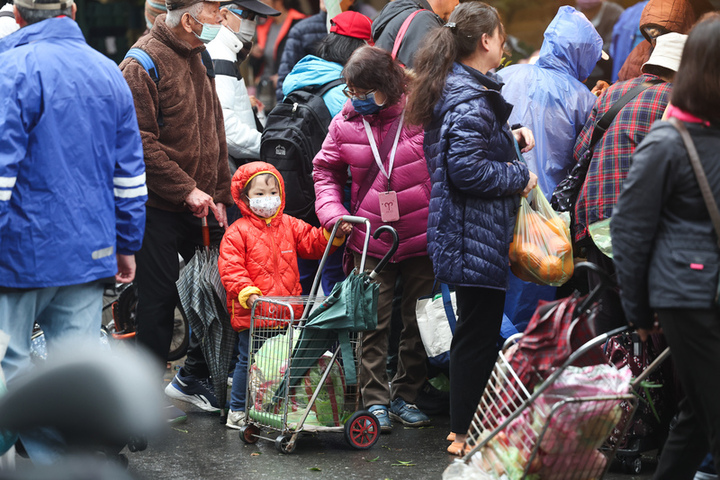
[(64, 313), (238, 393)]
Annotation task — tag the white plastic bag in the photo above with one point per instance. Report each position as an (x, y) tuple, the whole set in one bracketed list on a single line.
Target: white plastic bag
[(436, 326)]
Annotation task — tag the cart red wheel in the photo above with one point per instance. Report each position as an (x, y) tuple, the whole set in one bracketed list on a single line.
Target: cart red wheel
[(248, 433), (362, 430)]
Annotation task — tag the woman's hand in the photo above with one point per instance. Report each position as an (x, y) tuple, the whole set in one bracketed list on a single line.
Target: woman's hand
[(600, 87), (644, 333), (344, 229), (525, 139), (532, 181)]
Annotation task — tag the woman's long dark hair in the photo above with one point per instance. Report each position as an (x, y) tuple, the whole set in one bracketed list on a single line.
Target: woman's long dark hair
[(372, 68), (696, 86), (338, 48), (442, 46)]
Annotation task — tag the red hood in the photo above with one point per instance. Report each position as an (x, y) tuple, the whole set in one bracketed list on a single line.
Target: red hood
[(243, 175)]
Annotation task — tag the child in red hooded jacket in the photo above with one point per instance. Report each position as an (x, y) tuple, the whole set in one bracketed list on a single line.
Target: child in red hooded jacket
[(258, 257)]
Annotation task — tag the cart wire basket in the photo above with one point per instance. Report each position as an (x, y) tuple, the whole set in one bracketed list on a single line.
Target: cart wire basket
[(562, 429), (302, 378)]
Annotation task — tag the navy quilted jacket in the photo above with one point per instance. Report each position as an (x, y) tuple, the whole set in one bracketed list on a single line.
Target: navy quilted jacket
[(302, 39), (475, 178)]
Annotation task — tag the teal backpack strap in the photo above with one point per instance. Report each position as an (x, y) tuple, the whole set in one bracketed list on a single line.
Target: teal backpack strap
[(148, 64)]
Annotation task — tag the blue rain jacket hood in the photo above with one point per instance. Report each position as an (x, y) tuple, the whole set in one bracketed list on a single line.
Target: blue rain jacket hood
[(72, 176), (476, 180), (313, 71), (550, 99)]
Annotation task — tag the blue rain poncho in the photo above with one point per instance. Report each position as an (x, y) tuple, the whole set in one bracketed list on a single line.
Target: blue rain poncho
[(550, 99)]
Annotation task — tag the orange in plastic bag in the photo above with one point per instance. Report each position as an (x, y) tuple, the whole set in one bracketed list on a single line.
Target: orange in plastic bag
[(541, 251)]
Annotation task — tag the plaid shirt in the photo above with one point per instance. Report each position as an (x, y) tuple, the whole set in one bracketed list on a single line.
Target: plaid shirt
[(611, 159)]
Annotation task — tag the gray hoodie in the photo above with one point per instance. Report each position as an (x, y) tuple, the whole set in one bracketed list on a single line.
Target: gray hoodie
[(388, 22)]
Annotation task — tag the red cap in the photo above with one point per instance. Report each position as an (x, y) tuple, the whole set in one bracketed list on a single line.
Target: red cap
[(352, 24)]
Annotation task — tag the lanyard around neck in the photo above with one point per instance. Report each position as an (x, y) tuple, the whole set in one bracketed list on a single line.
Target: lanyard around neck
[(374, 147)]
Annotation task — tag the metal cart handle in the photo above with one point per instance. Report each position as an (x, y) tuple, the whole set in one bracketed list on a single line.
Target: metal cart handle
[(349, 219), (605, 282)]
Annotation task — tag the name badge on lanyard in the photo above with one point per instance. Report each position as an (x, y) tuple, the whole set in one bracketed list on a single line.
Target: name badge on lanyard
[(389, 209)]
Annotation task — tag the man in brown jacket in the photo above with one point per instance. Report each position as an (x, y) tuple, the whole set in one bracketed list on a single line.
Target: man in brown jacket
[(186, 159)]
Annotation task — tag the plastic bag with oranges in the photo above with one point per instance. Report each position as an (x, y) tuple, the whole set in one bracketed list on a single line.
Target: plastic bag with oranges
[(541, 251)]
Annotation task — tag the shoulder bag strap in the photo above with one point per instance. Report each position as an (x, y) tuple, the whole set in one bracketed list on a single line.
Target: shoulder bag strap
[(208, 62), (447, 304), (603, 124), (323, 89), (403, 30), (702, 180), (227, 68), (147, 62), (383, 150)]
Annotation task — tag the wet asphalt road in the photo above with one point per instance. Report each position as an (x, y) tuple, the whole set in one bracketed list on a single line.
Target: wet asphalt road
[(203, 448)]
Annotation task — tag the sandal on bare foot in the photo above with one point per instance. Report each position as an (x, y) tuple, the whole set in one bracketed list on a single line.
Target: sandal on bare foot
[(456, 448), (451, 437)]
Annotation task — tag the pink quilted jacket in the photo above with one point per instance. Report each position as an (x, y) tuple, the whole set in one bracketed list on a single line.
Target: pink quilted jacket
[(347, 146)]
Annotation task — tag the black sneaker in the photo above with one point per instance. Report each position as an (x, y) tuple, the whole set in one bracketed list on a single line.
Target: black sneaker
[(191, 390)]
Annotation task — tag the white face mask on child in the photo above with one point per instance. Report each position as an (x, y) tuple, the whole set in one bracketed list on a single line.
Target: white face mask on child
[(265, 207)]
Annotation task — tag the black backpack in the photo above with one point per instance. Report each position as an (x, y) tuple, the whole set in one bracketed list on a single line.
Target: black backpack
[(294, 132)]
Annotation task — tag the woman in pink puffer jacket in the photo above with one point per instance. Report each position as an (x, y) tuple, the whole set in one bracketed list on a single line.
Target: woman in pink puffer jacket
[(375, 86)]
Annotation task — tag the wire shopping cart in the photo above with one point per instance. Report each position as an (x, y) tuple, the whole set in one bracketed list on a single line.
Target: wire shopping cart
[(561, 429), (302, 367)]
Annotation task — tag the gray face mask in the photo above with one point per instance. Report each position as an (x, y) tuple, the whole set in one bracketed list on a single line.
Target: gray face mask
[(247, 29)]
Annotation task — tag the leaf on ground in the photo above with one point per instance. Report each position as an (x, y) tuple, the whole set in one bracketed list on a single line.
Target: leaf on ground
[(315, 469), (255, 454), (401, 463), (180, 430), (373, 459)]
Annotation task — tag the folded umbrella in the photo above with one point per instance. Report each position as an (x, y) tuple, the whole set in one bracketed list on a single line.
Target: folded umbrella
[(203, 304)]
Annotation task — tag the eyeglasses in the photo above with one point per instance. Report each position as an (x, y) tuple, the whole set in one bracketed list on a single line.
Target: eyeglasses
[(249, 15), (357, 96)]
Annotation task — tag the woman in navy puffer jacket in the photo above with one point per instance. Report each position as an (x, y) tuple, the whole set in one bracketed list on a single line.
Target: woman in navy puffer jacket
[(476, 186)]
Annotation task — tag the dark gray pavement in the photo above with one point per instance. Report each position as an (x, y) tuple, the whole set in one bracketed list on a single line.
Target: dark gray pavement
[(203, 448)]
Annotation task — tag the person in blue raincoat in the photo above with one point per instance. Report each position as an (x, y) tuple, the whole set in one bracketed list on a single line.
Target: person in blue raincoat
[(549, 97), (349, 31)]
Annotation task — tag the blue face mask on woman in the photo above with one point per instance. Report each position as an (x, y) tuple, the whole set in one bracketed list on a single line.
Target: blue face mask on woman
[(366, 106)]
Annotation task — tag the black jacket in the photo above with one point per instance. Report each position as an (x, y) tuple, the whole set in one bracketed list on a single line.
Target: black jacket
[(388, 22), (664, 245), (302, 39)]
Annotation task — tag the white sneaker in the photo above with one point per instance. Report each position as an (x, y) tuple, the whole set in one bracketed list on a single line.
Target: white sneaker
[(236, 420)]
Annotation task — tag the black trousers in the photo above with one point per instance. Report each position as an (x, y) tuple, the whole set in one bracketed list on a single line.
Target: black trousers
[(694, 339), (166, 235), (473, 350)]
